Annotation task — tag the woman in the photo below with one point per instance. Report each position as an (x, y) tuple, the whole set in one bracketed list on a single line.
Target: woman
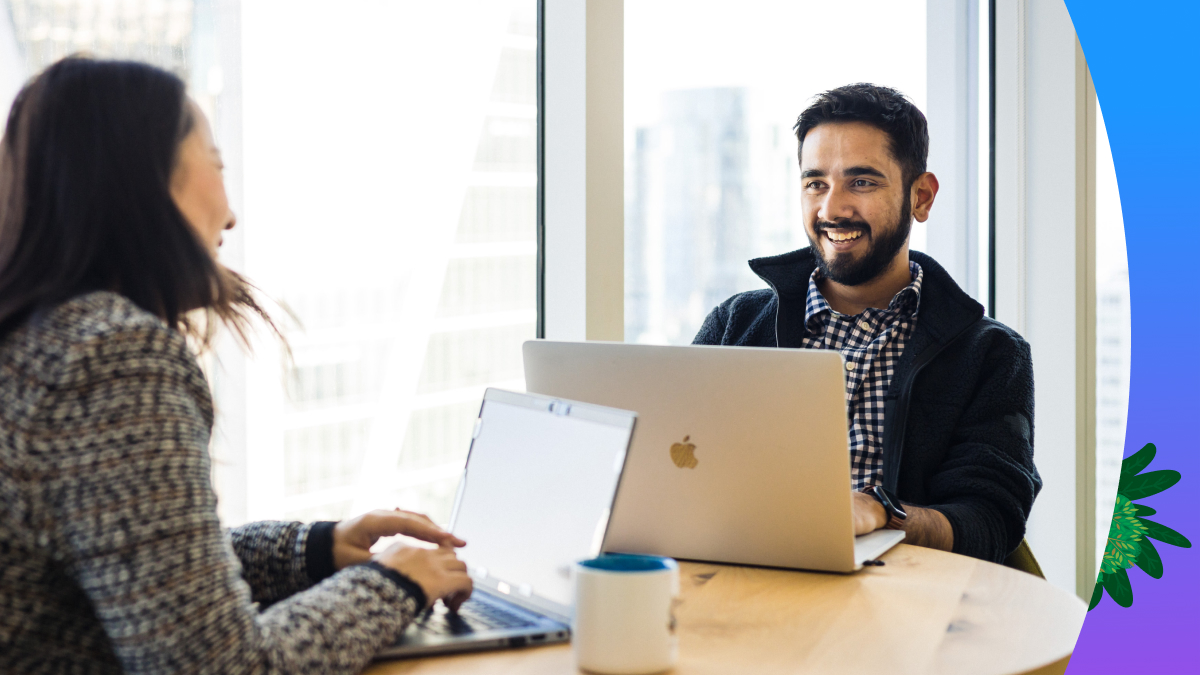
[(112, 559)]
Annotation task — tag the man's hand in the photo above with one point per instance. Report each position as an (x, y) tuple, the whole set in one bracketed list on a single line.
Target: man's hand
[(353, 539), (869, 514), (923, 527)]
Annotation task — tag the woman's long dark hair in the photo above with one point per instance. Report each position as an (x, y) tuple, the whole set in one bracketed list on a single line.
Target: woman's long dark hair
[(85, 201)]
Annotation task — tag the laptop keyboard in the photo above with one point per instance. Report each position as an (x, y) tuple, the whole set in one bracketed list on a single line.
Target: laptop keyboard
[(476, 615)]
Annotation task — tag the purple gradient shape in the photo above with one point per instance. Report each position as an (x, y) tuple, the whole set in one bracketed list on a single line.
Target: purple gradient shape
[(1142, 58)]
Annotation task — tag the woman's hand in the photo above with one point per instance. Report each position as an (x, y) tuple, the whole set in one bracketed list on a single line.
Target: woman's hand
[(437, 571), (353, 538)]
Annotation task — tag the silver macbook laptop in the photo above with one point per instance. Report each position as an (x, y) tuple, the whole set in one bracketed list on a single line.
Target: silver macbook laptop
[(535, 497), (741, 454)]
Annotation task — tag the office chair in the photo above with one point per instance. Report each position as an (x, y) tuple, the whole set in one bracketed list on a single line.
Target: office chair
[(1022, 559)]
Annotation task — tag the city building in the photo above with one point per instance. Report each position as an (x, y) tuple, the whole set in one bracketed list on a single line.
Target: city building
[(710, 186)]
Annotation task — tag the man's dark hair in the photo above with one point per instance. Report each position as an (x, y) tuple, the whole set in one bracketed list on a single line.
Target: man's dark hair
[(883, 108)]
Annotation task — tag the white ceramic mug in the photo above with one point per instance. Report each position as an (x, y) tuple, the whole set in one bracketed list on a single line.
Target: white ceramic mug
[(623, 622)]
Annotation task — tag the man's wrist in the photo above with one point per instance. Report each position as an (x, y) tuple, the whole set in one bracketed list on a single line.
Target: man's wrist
[(893, 513), (879, 515)]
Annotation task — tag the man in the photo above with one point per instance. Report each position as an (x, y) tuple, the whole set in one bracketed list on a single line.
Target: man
[(940, 397)]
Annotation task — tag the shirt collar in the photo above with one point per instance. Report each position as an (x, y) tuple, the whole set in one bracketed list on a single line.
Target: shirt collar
[(904, 304)]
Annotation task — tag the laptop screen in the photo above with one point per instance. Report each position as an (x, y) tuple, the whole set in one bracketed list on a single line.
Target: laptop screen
[(537, 490)]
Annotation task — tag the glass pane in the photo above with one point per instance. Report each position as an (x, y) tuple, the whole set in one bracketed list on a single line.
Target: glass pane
[(711, 172), (390, 194), (381, 158), (1113, 330), (155, 32)]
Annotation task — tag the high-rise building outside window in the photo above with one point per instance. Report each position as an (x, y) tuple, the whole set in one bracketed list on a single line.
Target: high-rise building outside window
[(381, 158)]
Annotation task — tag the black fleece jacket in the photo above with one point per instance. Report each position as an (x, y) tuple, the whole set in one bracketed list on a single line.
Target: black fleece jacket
[(958, 421)]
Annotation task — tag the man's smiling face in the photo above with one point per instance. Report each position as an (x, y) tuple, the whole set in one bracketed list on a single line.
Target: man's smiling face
[(857, 210)]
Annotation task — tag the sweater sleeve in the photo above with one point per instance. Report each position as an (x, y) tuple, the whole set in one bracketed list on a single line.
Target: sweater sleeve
[(279, 559), (987, 483), (132, 515)]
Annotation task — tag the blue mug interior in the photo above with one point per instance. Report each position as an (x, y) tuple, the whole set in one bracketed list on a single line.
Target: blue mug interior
[(622, 562)]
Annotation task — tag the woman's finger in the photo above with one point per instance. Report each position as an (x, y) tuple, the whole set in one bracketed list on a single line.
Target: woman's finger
[(390, 523), (456, 599), (458, 587), (414, 514), (440, 536), (384, 523), (425, 530)]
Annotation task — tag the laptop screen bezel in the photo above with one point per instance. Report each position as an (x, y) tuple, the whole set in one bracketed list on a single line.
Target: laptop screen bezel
[(622, 419)]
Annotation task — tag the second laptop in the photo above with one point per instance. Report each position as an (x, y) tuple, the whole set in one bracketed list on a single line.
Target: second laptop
[(741, 454)]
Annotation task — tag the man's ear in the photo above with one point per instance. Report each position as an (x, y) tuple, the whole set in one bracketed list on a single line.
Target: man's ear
[(922, 193)]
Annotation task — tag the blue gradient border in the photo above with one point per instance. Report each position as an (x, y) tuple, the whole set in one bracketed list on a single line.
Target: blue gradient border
[(1143, 60)]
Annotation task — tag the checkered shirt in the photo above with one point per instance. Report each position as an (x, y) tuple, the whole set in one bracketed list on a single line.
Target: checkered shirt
[(871, 344)]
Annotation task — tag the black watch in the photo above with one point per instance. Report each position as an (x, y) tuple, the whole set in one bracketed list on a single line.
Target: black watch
[(891, 506)]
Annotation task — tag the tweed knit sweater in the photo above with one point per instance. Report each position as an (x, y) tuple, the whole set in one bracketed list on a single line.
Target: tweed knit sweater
[(111, 555)]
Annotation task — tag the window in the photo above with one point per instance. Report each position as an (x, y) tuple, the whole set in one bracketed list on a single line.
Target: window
[(381, 158), (36, 33), (1113, 336), (711, 172), (390, 182)]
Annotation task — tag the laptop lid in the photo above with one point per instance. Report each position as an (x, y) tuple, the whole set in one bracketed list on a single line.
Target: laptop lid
[(741, 454), (537, 493)]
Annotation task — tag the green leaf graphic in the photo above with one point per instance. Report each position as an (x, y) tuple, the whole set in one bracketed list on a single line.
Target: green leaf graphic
[(1124, 537), (1129, 537), (1148, 484), (1117, 585), (1097, 593), (1133, 464), (1141, 510), (1165, 534), (1149, 560)]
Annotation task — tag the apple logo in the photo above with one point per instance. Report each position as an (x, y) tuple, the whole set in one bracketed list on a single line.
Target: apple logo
[(683, 454)]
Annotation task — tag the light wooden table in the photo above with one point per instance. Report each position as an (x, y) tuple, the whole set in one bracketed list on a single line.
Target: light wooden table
[(924, 612)]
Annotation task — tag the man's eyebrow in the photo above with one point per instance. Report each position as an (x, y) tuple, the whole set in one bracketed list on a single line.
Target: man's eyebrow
[(863, 171), (812, 173)]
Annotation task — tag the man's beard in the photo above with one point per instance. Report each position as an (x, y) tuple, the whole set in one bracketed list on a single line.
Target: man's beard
[(846, 270)]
